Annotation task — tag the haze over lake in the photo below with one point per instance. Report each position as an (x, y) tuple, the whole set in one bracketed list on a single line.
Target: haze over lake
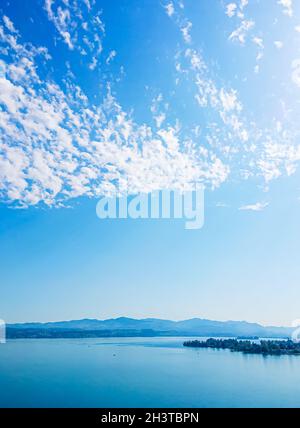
[(141, 372)]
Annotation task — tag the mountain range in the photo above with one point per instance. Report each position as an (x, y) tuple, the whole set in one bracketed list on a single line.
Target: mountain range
[(127, 327)]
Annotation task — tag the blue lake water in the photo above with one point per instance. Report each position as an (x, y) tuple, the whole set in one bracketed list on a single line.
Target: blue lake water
[(141, 372)]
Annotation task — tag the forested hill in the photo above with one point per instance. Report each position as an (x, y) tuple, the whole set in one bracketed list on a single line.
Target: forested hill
[(145, 327)]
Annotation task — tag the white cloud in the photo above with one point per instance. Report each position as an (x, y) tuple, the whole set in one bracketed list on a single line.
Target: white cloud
[(185, 30), (244, 25), (9, 25), (229, 100), (287, 6), (222, 205), (111, 56), (231, 9), (243, 4), (56, 146), (170, 9), (239, 35), (208, 95), (79, 27), (61, 21), (278, 44), (258, 41), (259, 206)]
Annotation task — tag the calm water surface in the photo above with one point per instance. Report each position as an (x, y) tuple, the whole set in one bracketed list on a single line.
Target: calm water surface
[(141, 372)]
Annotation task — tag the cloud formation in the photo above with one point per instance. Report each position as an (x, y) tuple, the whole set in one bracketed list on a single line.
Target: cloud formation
[(259, 206), (56, 144)]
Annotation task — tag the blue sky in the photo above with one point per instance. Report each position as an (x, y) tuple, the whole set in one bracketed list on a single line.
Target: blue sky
[(98, 96)]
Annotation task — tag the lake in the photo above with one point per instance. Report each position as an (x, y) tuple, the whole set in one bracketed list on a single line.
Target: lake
[(141, 372)]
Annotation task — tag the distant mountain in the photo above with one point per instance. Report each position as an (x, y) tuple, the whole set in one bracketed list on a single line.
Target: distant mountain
[(145, 327)]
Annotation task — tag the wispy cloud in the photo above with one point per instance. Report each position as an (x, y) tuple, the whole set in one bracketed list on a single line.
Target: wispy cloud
[(259, 206), (170, 9), (287, 6), (57, 144), (79, 25)]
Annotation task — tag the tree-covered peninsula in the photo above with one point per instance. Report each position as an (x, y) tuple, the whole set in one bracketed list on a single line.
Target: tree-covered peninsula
[(264, 347)]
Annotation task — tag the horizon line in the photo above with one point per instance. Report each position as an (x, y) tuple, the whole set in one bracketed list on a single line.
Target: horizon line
[(149, 318)]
